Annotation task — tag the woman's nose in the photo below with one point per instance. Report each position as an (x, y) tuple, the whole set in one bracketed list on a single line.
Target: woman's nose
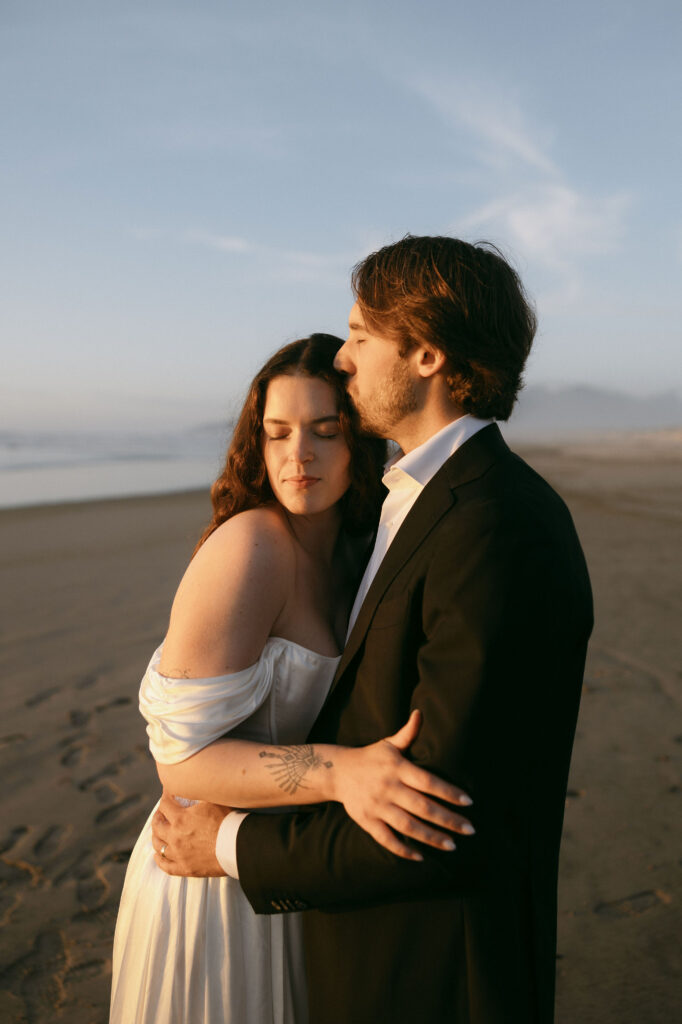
[(300, 449)]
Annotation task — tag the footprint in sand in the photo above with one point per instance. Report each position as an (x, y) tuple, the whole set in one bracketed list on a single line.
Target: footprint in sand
[(70, 740), (74, 755), (118, 857), (92, 892), (117, 702), (15, 878), (89, 969), (39, 698), (17, 872), (10, 902), (78, 717), (631, 905), (51, 840), (12, 837), (117, 811), (107, 793), (107, 772), (37, 977), (15, 737), (86, 682), (81, 867)]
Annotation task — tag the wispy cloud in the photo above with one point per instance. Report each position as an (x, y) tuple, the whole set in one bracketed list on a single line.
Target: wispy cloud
[(534, 208), (497, 123), (223, 243), (553, 222), (556, 230), (290, 264)]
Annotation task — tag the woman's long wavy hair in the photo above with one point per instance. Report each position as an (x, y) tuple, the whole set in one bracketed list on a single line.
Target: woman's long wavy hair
[(244, 484)]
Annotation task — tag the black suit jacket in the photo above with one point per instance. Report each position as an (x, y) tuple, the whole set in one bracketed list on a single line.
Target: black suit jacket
[(479, 616)]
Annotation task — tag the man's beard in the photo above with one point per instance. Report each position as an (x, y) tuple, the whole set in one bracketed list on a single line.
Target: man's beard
[(393, 400)]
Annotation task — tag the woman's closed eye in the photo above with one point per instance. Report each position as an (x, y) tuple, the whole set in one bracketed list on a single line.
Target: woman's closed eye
[(282, 437)]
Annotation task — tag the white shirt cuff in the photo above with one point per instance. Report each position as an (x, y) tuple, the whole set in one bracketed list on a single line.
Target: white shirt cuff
[(226, 842)]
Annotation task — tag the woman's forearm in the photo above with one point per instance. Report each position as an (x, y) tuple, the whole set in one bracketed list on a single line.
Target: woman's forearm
[(244, 774), (381, 790)]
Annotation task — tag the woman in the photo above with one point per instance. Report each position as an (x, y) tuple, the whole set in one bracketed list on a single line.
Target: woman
[(252, 646)]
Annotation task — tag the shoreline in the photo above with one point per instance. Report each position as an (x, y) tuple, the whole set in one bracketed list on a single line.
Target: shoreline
[(637, 448), (53, 506)]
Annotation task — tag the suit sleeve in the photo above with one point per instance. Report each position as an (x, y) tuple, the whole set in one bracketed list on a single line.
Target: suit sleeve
[(486, 621)]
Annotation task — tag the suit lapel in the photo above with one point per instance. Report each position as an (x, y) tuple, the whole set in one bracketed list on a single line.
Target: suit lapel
[(421, 519), (467, 463)]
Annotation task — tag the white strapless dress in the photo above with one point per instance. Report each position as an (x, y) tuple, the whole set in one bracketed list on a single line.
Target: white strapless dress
[(191, 950)]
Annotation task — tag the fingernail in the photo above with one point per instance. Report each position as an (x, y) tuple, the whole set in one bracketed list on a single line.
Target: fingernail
[(465, 800), (448, 844), (468, 829), (417, 856)]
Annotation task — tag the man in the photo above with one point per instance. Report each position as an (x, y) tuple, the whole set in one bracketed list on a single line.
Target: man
[(476, 609)]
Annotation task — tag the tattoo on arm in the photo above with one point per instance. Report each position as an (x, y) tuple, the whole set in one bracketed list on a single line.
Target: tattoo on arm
[(291, 765)]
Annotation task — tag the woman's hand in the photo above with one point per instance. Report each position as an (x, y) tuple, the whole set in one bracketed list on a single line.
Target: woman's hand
[(389, 797)]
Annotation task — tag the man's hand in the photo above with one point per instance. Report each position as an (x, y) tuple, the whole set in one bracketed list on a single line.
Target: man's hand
[(390, 797), (187, 836)]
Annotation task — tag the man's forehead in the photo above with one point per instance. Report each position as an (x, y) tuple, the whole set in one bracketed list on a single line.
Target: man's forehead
[(356, 321)]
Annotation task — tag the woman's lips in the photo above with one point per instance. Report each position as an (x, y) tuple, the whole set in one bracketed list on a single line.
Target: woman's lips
[(301, 482)]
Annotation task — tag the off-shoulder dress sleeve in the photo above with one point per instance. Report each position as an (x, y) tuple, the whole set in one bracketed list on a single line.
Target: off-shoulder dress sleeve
[(185, 715)]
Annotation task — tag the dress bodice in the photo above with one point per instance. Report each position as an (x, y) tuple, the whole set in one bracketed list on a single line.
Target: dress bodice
[(275, 700)]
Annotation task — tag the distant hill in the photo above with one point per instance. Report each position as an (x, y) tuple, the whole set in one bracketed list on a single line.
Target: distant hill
[(544, 413)]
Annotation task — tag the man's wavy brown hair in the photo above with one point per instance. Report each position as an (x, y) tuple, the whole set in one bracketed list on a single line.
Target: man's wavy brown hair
[(462, 299), (244, 484)]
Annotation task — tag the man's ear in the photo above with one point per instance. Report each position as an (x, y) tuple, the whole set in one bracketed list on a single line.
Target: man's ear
[(430, 361)]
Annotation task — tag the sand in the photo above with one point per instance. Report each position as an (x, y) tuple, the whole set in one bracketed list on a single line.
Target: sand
[(87, 589)]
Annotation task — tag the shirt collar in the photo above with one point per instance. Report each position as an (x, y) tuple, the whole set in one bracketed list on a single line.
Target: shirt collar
[(423, 462)]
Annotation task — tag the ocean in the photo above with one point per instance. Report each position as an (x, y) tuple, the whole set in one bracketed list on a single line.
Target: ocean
[(41, 468), (47, 468)]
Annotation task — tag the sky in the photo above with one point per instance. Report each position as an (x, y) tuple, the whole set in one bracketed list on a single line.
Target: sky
[(185, 186)]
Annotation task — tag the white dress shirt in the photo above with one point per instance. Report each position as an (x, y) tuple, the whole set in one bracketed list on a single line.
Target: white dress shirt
[(405, 477)]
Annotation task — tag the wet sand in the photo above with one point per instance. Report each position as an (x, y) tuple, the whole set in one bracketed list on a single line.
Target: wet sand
[(86, 594)]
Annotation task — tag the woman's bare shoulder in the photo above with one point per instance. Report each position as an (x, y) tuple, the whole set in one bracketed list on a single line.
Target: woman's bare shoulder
[(258, 534), (231, 595)]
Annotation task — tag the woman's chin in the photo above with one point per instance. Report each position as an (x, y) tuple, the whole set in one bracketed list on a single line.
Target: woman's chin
[(307, 505), (304, 508)]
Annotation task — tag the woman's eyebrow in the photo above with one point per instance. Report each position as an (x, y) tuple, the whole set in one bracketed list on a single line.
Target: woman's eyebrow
[(285, 423)]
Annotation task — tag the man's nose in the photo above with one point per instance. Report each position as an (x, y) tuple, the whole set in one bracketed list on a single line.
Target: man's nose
[(342, 363)]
